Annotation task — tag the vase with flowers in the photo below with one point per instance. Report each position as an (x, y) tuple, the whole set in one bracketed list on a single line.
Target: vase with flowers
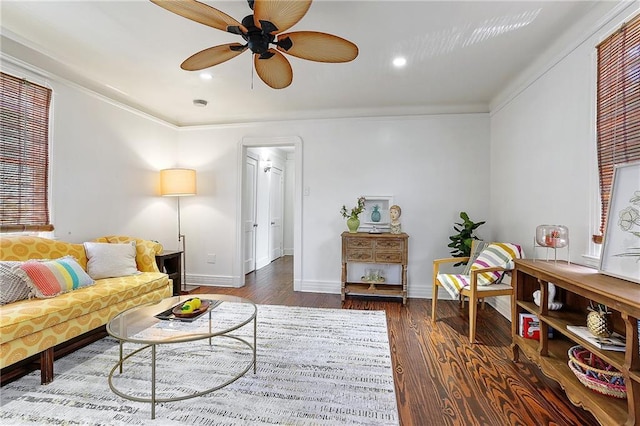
[(352, 216)]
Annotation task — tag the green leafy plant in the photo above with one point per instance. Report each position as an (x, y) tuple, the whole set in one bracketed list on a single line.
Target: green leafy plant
[(461, 242), (355, 211)]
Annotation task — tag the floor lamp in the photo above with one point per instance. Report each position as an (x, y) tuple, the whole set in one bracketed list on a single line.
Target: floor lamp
[(179, 183)]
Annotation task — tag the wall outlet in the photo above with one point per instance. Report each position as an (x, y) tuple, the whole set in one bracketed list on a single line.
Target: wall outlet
[(211, 258)]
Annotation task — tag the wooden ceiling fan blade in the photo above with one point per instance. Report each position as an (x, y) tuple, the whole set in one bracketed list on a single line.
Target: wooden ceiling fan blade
[(200, 12), (282, 14), (276, 71), (212, 56), (317, 46)]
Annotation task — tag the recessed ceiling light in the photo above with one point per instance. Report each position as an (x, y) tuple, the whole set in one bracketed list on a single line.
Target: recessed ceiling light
[(399, 62), (200, 103), (205, 76)]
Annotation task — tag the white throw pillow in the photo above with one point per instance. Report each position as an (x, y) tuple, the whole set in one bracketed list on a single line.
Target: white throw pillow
[(108, 260)]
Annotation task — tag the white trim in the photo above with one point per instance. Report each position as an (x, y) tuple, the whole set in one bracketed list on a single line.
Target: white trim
[(591, 261), (212, 280), (502, 304)]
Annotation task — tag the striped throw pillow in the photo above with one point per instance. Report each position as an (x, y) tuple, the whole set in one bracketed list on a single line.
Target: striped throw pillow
[(496, 255), (50, 278)]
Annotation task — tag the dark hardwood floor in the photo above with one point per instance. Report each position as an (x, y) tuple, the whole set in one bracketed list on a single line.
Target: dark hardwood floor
[(440, 378)]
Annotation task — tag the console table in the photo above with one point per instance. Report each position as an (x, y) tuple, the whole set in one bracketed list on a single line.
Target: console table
[(362, 247), (576, 286), (170, 262)]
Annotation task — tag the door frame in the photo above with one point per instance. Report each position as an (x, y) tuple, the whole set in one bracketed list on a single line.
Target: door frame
[(273, 236), (255, 142), (249, 159)]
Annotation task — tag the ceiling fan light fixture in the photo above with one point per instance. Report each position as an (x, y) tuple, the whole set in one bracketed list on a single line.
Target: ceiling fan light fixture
[(269, 20), (200, 103), (206, 76)]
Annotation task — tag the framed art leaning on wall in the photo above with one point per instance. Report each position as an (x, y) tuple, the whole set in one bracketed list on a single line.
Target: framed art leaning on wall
[(620, 255)]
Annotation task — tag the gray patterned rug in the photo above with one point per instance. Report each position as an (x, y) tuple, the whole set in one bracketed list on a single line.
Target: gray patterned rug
[(314, 367)]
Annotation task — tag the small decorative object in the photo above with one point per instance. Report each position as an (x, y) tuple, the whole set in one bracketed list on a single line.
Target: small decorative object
[(599, 320), (373, 277), (621, 248), (553, 305), (375, 214), (596, 374), (353, 222), (553, 236), (394, 213)]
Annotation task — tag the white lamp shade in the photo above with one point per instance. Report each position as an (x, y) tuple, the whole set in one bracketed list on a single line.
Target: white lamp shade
[(177, 182)]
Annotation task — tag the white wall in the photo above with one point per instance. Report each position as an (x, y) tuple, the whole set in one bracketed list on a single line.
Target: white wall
[(434, 166), (543, 157)]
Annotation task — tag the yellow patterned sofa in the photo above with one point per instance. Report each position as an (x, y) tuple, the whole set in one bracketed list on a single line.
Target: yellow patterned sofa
[(50, 326)]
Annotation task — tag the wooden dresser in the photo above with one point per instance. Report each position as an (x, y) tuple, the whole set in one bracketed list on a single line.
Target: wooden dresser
[(576, 286), (383, 248)]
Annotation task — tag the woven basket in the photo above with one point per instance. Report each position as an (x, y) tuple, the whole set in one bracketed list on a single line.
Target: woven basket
[(596, 374)]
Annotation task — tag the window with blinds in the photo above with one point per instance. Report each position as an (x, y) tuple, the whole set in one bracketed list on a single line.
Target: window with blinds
[(618, 105), (24, 155)]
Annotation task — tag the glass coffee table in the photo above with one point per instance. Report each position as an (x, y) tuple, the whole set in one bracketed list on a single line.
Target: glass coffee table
[(163, 323)]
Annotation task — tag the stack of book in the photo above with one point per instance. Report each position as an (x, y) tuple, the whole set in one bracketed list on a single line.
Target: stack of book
[(615, 342)]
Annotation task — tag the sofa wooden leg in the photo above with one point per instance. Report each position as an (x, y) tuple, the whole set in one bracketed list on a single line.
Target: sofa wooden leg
[(46, 366)]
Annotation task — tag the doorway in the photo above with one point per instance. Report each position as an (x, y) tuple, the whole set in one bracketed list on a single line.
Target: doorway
[(270, 204)]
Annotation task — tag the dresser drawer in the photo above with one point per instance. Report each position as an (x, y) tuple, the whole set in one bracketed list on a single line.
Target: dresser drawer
[(390, 244), (354, 255), (389, 257), (359, 243)]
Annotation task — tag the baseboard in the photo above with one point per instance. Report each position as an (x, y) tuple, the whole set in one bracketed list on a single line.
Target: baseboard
[(212, 280), (262, 262), (502, 304), (329, 287)]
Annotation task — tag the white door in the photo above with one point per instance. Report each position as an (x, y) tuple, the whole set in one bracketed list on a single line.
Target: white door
[(249, 223), (276, 207)]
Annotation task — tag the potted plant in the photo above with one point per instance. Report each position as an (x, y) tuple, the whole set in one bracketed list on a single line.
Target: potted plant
[(353, 221), (461, 242)]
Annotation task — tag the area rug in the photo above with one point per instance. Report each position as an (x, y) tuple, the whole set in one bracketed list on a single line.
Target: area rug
[(314, 367)]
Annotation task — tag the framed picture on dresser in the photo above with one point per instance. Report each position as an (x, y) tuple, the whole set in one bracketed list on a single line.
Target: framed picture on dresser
[(375, 218)]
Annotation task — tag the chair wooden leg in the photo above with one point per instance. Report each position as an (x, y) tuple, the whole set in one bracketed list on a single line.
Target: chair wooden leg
[(434, 301), (473, 305)]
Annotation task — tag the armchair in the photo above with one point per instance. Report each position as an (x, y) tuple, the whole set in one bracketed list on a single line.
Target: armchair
[(479, 282)]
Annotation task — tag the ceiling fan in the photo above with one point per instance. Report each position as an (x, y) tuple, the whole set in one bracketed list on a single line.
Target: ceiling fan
[(262, 30)]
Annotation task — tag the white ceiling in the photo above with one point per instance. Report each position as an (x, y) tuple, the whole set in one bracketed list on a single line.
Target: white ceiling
[(460, 54)]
